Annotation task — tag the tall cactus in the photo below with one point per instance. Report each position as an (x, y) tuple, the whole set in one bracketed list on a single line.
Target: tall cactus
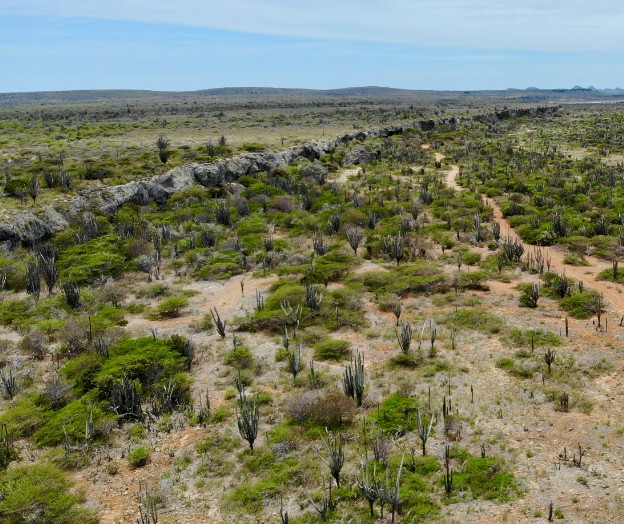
[(404, 337), (248, 419), (126, 400), (353, 379)]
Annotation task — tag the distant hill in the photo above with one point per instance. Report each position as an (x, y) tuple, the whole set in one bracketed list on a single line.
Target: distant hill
[(129, 95)]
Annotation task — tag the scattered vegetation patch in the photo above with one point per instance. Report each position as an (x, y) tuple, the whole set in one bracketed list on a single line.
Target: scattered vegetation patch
[(473, 319)]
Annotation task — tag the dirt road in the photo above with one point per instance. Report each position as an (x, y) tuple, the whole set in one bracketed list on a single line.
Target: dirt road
[(587, 274)]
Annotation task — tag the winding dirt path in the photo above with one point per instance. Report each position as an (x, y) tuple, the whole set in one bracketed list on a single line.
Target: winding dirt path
[(587, 274)]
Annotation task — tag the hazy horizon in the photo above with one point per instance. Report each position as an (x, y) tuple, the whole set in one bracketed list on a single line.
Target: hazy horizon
[(457, 45)]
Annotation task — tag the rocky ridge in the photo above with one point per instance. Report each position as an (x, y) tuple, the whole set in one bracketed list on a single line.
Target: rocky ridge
[(34, 225)]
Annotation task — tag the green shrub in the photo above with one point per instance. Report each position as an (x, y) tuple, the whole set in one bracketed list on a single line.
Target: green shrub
[(575, 260), (607, 274), (222, 266), (223, 441), (580, 305), (83, 263), (248, 498), (397, 413), (221, 414), (470, 258), (239, 357), (171, 306), (15, 312), (137, 432), (67, 460), (519, 338), (24, 416), (138, 457), (253, 146), (82, 370), (331, 349), (414, 487), (405, 360), (405, 279), (143, 359), (15, 271), (512, 367), (474, 280), (284, 291), (505, 363), (475, 319), (72, 420), (486, 478), (107, 316), (15, 185), (40, 493)]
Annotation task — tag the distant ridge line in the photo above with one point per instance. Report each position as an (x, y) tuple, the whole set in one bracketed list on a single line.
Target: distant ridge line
[(127, 95)]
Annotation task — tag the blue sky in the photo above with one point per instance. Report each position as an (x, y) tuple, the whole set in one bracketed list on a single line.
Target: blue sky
[(415, 44)]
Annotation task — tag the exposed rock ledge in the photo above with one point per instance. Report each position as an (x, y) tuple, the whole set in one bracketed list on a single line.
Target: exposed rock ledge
[(39, 224)]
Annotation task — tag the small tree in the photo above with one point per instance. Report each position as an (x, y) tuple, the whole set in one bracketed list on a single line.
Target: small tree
[(163, 149)]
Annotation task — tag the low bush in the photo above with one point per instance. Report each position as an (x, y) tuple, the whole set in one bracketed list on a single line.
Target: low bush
[(239, 357), (16, 186), (580, 305), (331, 349), (24, 416), (485, 478), (71, 421), (397, 414), (138, 457), (144, 359), (171, 306), (83, 263), (475, 319), (327, 409), (519, 338), (40, 493)]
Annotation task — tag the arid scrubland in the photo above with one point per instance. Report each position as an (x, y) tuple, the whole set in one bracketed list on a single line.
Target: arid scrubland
[(414, 317)]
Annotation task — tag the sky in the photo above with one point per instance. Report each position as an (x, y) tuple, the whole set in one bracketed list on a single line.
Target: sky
[(183, 45)]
